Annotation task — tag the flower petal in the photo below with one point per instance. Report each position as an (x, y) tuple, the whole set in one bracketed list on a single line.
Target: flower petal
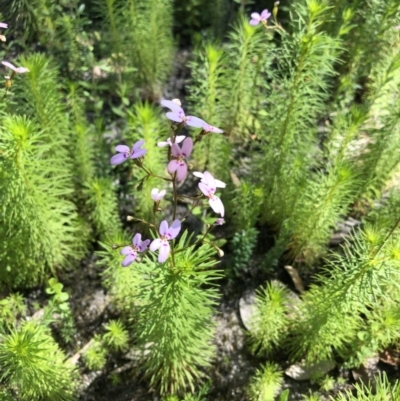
[(195, 122), (21, 70), (176, 150), (173, 166), (118, 158), (265, 14), (209, 180), (165, 249), (219, 184), (9, 65), (122, 148), (187, 147), (156, 243), (204, 188), (179, 138), (254, 22), (173, 231), (144, 245), (154, 194), (162, 144), (198, 174), (211, 128), (3, 25), (137, 239), (181, 171), (138, 153), (175, 116), (217, 205), (171, 105), (138, 144), (129, 259), (126, 250), (163, 228), (255, 16)]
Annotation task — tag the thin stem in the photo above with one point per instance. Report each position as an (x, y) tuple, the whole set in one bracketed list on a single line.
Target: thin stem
[(175, 195), (389, 234)]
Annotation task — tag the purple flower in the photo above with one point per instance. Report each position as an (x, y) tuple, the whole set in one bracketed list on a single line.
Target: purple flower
[(208, 186), (178, 115), (166, 234), (180, 154), (219, 222), (19, 70), (131, 251), (218, 183), (3, 25), (124, 152), (256, 18), (178, 139), (211, 128), (157, 195)]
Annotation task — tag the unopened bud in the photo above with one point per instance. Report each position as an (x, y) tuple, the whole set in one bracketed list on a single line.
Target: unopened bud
[(3, 38), (8, 82), (220, 252), (129, 218), (275, 10)]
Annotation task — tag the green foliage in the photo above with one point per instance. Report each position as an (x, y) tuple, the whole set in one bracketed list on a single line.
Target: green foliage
[(12, 308), (269, 324), (266, 383), (95, 357), (33, 367), (39, 228), (180, 308), (116, 335), (383, 391), (297, 97), (144, 122), (242, 246)]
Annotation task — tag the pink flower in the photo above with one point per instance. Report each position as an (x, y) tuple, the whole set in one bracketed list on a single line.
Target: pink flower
[(256, 18), (166, 234), (126, 153), (3, 25), (218, 183), (178, 115), (180, 154), (219, 222), (157, 195), (19, 70), (131, 251), (208, 185), (178, 139)]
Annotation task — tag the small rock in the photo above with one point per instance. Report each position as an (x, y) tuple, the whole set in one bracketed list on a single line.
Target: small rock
[(247, 307), (306, 372)]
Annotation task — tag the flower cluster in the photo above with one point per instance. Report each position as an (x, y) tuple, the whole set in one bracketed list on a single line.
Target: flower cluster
[(180, 149)]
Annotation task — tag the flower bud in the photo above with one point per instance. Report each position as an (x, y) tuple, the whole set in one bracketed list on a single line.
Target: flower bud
[(275, 10), (129, 218)]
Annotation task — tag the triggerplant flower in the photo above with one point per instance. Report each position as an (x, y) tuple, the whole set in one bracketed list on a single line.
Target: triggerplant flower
[(178, 164), (256, 18), (19, 70), (131, 251), (125, 153), (166, 234), (178, 139), (178, 115), (218, 183), (208, 185), (157, 195)]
